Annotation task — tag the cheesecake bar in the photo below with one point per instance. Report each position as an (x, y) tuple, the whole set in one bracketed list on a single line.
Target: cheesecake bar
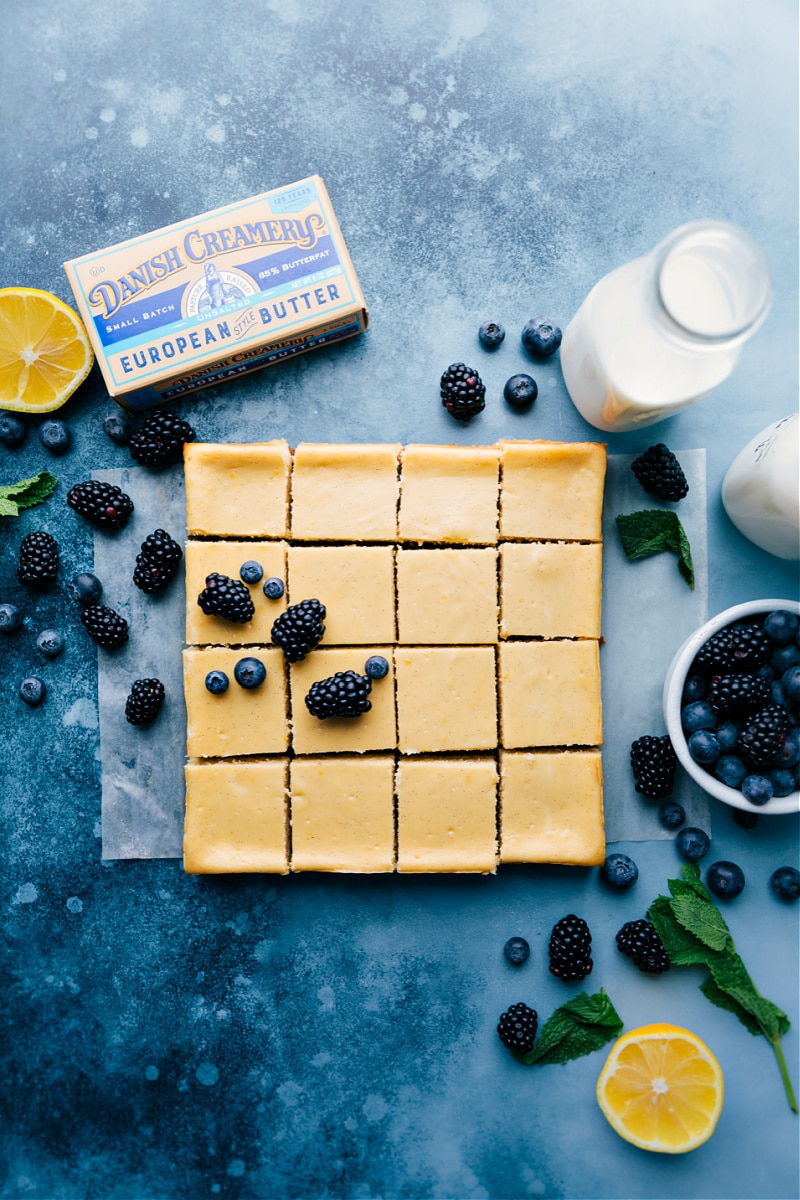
[(342, 813), (449, 494), (551, 807), (447, 814), (552, 490), (226, 558), (237, 490), (550, 694), (345, 493), (237, 817), (446, 698), (356, 585), (239, 721), (550, 589), (447, 597)]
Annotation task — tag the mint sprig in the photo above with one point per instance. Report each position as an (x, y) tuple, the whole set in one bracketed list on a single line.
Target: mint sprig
[(578, 1027), (653, 530), (694, 932), (26, 493)]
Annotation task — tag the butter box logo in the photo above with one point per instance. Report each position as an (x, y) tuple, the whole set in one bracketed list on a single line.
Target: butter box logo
[(215, 288)]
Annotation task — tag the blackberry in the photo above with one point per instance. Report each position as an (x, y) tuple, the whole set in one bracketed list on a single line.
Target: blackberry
[(226, 598), (157, 563), (104, 626), (660, 473), (737, 647), (732, 695), (639, 941), (517, 1028), (38, 560), (103, 505), (298, 630), (462, 391), (570, 949), (653, 762), (160, 439), (341, 695), (144, 702), (761, 738)]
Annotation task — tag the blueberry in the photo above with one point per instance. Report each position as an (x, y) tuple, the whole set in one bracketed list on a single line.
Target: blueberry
[(779, 696), (693, 843), (785, 883), (703, 747), (32, 690), (490, 335), (757, 789), (672, 815), (784, 657), (791, 683), (10, 618), (730, 770), (12, 430), (50, 643), (693, 689), (376, 667), (216, 682), (619, 871), (251, 571), (745, 820), (119, 426), (781, 626), (86, 588), (517, 951), (273, 588), (782, 781), (698, 715), (520, 391), (789, 754), (727, 735), (725, 879), (541, 337), (765, 671), (55, 437), (249, 673)]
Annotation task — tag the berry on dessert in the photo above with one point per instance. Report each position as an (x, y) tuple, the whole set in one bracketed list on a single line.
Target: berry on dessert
[(251, 571), (619, 871), (249, 673), (157, 562), (741, 647), (341, 695), (104, 626), (725, 879), (376, 667), (732, 695), (118, 426), (517, 1028), (12, 430), (217, 683), (298, 630), (761, 738), (570, 949), (462, 391), (517, 951), (144, 702), (490, 335), (660, 473), (541, 337), (10, 618), (653, 762), (38, 560), (32, 690), (639, 941), (693, 843), (785, 883), (226, 598), (55, 436), (672, 815), (50, 643), (273, 588), (103, 505), (160, 440), (86, 588), (520, 391)]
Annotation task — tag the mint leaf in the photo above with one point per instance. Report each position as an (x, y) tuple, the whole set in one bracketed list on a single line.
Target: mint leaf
[(653, 530), (26, 493), (717, 996), (8, 508), (682, 947), (578, 1027), (703, 920)]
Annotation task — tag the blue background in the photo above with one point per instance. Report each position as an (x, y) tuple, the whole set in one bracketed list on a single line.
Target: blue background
[(175, 1037)]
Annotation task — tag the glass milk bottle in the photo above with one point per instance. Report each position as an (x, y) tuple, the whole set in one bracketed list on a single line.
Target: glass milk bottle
[(662, 331), (761, 490)]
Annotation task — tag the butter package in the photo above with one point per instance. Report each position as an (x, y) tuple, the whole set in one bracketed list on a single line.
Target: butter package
[(216, 296)]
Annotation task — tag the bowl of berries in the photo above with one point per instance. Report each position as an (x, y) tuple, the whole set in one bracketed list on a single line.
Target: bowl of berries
[(732, 706)]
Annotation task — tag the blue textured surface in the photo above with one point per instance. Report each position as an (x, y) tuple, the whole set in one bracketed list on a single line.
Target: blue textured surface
[(175, 1037)]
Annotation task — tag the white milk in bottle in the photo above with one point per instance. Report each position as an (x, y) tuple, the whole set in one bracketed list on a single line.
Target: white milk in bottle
[(761, 490), (662, 331)]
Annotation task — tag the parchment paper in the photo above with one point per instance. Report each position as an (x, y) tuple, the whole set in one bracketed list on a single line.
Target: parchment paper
[(648, 610)]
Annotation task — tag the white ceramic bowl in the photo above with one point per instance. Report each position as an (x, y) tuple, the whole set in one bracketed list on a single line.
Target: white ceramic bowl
[(673, 691)]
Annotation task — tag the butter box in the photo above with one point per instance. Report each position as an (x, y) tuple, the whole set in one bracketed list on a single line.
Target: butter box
[(218, 295)]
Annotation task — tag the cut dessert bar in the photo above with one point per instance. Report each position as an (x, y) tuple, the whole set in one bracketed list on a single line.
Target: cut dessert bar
[(356, 585), (343, 813), (373, 730), (345, 493), (447, 597), (551, 807), (552, 490), (446, 698), (550, 694), (226, 558), (449, 494), (239, 721), (237, 490), (550, 589), (447, 814), (236, 817)]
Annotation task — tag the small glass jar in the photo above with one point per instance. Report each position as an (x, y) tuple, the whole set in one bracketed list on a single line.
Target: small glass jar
[(662, 331)]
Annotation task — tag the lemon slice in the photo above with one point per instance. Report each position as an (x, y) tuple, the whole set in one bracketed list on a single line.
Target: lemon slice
[(661, 1089), (44, 351)]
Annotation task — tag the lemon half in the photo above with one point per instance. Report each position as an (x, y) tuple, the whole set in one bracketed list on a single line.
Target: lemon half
[(44, 351)]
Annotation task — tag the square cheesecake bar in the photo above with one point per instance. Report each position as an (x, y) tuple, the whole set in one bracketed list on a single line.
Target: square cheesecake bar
[(345, 493), (343, 813), (237, 490), (447, 814), (449, 494), (237, 817), (552, 491)]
